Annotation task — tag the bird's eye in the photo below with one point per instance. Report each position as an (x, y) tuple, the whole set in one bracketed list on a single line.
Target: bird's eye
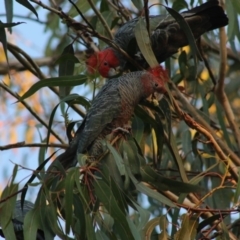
[(156, 85), (105, 63)]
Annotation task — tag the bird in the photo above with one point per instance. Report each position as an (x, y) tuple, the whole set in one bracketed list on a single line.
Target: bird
[(111, 109), (18, 219), (166, 36)]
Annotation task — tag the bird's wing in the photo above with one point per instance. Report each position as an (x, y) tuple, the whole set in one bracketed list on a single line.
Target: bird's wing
[(106, 107)]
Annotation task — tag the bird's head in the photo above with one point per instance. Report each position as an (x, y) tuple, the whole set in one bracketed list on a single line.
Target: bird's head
[(154, 80), (105, 62)]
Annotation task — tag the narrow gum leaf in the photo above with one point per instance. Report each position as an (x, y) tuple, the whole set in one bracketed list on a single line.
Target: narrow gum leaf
[(180, 19), (144, 43), (57, 81)]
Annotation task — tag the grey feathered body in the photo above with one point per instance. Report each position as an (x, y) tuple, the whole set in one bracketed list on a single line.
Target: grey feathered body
[(112, 107), (166, 34)]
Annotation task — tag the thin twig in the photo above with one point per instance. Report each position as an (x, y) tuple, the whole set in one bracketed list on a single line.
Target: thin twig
[(220, 93), (37, 72), (23, 144), (99, 15), (25, 104), (209, 131)]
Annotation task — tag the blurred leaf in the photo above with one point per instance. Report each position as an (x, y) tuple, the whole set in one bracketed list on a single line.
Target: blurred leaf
[(178, 158), (118, 159), (146, 190), (225, 231), (54, 82), (236, 5), (83, 6), (138, 4), (28, 5), (3, 40), (104, 193), (9, 12), (69, 184), (144, 216), (237, 193), (180, 19), (144, 43), (31, 224), (208, 221), (233, 26), (222, 123), (179, 5), (67, 61), (131, 152), (90, 232), (184, 231), (80, 226), (137, 129), (147, 231), (8, 25), (163, 184), (65, 99), (104, 6), (7, 208), (34, 175)]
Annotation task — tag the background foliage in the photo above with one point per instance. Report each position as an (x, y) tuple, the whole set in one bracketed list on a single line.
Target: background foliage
[(175, 177)]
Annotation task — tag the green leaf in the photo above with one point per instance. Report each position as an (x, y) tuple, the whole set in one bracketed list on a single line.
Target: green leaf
[(146, 190), (184, 231), (147, 231), (179, 5), (131, 152), (69, 184), (53, 82), (237, 192), (3, 40), (79, 212), (105, 195), (7, 25), (163, 184), (65, 99), (67, 62), (7, 208), (144, 43), (27, 5), (144, 216), (118, 159), (138, 4), (236, 5), (180, 19), (104, 6), (31, 224), (89, 228), (34, 175), (9, 12)]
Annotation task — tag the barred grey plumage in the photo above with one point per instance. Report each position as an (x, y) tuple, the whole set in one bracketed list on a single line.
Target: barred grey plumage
[(166, 37)]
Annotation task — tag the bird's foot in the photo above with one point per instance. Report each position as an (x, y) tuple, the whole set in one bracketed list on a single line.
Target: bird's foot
[(123, 131)]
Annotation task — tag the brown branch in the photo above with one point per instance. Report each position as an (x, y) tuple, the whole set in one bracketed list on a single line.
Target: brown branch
[(32, 67), (41, 62), (219, 90), (224, 151), (23, 144), (25, 104), (214, 47), (82, 29), (102, 20), (205, 213)]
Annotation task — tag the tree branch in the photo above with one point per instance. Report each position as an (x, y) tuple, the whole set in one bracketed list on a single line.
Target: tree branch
[(25, 104), (23, 144), (219, 90)]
